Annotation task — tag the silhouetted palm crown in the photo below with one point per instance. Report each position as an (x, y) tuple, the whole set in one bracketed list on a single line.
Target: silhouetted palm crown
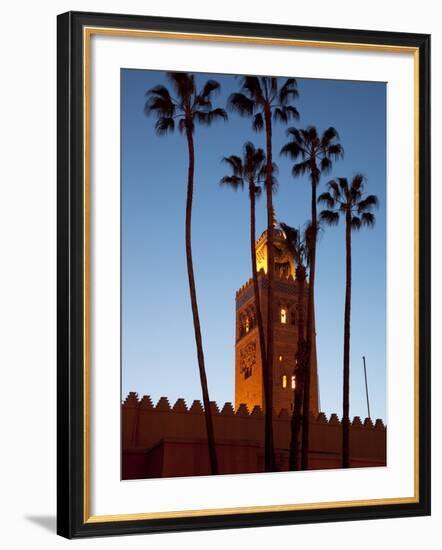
[(261, 93), (348, 199), (185, 107), (297, 241), (249, 168), (314, 153)]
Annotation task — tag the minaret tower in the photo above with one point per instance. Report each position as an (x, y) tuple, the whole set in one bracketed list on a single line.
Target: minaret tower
[(248, 365)]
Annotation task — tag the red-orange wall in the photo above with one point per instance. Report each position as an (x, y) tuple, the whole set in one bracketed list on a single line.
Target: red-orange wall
[(164, 441)]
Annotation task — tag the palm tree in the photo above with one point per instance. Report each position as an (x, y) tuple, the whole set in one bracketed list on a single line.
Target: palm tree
[(265, 100), (183, 109), (313, 155), (348, 200), (250, 170), (297, 241)]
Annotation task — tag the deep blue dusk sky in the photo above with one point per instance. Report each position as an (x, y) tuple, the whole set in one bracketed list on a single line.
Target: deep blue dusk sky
[(158, 348)]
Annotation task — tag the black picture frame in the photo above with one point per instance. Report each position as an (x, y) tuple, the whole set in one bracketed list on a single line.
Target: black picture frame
[(70, 272)]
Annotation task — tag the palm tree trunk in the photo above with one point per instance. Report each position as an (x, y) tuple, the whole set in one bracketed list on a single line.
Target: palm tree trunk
[(193, 300), (301, 367), (310, 333), (255, 272), (269, 461), (346, 377)]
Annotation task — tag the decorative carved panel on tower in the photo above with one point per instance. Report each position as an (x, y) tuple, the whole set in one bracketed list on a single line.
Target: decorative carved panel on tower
[(261, 260), (247, 359)]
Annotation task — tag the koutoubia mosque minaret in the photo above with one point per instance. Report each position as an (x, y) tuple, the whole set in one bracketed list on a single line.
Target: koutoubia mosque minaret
[(248, 365)]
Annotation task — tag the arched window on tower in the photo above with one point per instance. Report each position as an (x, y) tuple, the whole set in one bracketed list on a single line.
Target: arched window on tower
[(284, 381), (283, 316)]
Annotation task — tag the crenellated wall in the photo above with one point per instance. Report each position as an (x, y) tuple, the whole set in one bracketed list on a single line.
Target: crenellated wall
[(162, 440)]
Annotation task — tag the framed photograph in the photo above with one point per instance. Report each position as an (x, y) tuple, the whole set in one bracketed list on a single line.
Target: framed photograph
[(243, 274)]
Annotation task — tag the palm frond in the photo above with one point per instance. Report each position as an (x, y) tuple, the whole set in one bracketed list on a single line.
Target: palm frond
[(343, 184), (164, 125), (326, 165), (259, 157), (368, 219), (273, 81), (358, 182), (294, 242), (252, 86), (329, 217), (254, 160), (159, 104), (301, 168), (258, 122), (241, 104), (210, 87), (202, 102), (293, 150), (183, 83), (207, 117), (285, 113), (355, 194), (295, 134), (327, 199), (292, 112), (356, 223), (336, 151), (328, 136), (235, 182), (235, 164), (160, 91), (335, 190), (249, 149), (289, 90), (292, 234), (371, 201), (262, 173), (203, 99), (311, 135), (216, 114), (280, 115), (182, 125), (202, 117)]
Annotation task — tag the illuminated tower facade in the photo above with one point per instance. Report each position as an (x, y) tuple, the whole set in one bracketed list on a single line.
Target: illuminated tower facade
[(287, 310)]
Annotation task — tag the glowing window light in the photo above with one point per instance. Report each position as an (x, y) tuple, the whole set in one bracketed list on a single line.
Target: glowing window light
[(284, 381), (247, 325), (293, 382), (283, 316)]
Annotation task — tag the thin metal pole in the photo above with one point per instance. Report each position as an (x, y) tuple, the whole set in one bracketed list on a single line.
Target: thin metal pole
[(366, 387)]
